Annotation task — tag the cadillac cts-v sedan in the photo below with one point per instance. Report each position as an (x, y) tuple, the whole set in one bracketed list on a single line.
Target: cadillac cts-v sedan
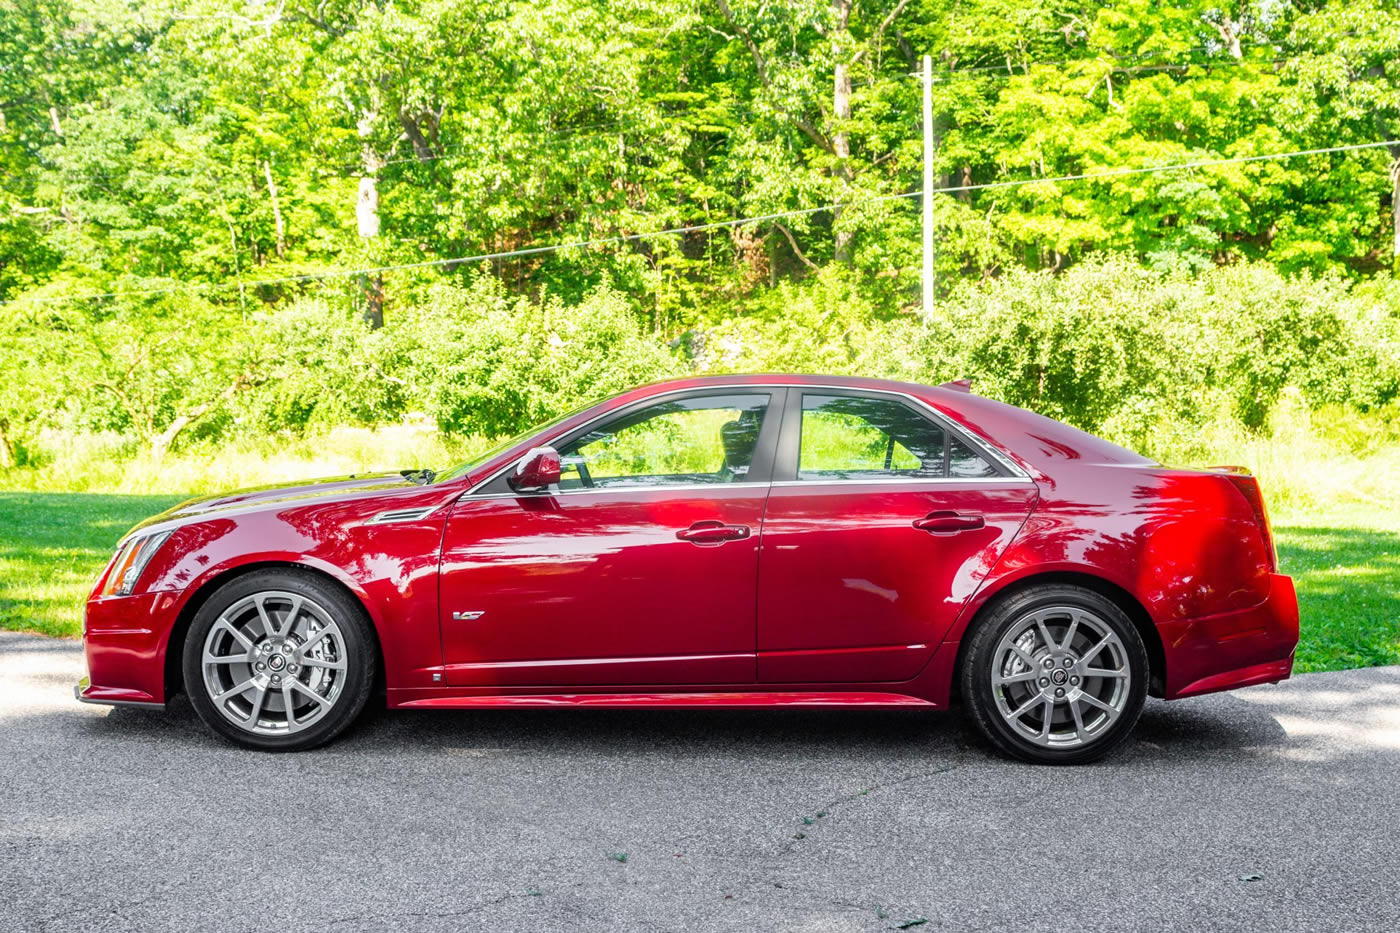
[(722, 541)]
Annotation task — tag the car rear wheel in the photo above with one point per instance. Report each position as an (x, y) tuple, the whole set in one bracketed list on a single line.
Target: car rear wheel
[(1056, 674), (279, 660)]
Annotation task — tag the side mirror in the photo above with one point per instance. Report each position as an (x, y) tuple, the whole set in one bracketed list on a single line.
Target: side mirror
[(538, 469)]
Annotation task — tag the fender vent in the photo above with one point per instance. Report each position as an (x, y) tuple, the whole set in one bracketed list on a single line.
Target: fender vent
[(402, 515)]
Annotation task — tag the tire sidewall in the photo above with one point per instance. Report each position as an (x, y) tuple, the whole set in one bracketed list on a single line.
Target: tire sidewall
[(980, 657), (360, 650)]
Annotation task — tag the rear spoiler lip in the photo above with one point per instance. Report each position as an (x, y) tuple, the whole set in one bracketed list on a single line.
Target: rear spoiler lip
[(958, 385)]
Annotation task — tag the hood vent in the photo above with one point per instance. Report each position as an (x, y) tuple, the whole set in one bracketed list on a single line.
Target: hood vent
[(402, 515)]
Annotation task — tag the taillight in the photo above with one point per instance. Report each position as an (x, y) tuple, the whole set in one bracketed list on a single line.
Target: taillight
[(1249, 486)]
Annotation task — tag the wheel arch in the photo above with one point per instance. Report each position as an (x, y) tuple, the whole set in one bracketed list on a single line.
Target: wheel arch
[(175, 644), (1120, 597)]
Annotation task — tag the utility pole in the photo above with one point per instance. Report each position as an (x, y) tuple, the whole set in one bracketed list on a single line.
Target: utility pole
[(928, 186)]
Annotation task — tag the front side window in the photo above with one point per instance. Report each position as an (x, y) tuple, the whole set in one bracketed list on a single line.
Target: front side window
[(707, 439), (853, 438)]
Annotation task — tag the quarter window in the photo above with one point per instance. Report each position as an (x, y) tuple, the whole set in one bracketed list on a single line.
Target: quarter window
[(708, 439), (852, 438)]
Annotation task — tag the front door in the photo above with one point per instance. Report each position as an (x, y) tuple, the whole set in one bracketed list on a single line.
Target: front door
[(640, 568), (881, 524)]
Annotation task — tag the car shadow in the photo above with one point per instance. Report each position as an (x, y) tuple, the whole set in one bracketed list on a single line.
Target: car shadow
[(1204, 727)]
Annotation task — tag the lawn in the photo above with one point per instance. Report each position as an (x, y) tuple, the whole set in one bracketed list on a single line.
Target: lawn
[(52, 546), (1346, 564)]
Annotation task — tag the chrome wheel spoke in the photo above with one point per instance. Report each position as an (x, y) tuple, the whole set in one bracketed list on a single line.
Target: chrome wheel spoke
[(223, 625), (290, 705), (1094, 651), (258, 698), (307, 691), (333, 665), (1025, 657), (269, 628), (289, 621), (227, 659), (1003, 681), (312, 640), (1099, 672), (1097, 703), (1029, 705), (1078, 719), (238, 689)]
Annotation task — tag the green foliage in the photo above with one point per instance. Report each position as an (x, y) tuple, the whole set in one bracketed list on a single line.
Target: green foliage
[(1141, 356), (490, 363)]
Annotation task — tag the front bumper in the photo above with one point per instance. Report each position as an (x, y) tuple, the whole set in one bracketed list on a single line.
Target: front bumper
[(1233, 649), (85, 692), (124, 639)]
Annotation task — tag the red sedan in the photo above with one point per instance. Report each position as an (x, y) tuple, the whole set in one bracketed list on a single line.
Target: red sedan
[(720, 541)]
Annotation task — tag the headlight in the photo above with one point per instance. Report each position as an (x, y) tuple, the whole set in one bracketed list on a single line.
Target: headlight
[(131, 560)]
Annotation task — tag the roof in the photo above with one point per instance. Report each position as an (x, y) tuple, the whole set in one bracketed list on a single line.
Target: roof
[(1030, 438)]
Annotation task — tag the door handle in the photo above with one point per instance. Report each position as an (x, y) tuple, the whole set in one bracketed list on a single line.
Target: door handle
[(944, 523), (713, 532)]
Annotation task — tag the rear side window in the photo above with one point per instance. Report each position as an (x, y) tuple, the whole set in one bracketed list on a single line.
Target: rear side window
[(852, 438)]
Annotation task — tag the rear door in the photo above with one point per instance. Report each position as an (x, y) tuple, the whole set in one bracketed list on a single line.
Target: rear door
[(882, 521)]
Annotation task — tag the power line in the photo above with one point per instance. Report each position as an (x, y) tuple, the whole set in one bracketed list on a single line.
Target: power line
[(700, 228)]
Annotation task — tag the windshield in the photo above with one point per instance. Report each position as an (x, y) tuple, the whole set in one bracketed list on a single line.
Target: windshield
[(464, 468)]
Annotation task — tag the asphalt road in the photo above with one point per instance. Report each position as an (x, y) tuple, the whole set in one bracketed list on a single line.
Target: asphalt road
[(1275, 808)]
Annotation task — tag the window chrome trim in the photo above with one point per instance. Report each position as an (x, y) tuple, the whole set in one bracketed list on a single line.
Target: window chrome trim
[(565, 493), (905, 481), (982, 445)]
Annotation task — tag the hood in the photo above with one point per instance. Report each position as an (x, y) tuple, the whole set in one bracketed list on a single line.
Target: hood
[(302, 493)]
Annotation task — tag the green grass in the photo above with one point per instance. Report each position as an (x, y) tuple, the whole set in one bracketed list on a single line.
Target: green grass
[(1346, 567), (52, 546), (1345, 562)]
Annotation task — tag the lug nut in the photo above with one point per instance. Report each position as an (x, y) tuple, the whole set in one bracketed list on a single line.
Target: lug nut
[(1069, 662), (1074, 681), (1045, 681), (276, 679), (1059, 691), (286, 648), (291, 668), (260, 665), (1049, 663)]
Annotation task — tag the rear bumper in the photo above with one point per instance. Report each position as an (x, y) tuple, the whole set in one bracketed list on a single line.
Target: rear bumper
[(124, 642), (1233, 649)]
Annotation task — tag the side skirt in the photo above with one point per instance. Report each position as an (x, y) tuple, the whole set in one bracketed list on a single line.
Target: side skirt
[(444, 698)]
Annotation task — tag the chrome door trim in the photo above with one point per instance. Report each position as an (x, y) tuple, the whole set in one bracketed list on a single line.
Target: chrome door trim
[(897, 481)]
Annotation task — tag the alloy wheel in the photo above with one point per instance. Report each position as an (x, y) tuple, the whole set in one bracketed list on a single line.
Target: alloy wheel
[(274, 663), (1060, 677)]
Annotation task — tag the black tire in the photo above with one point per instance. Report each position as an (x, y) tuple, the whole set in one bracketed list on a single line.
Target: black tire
[(1056, 605), (298, 588)]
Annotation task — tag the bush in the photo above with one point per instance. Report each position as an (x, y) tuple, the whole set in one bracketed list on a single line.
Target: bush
[(1143, 357), (482, 361)]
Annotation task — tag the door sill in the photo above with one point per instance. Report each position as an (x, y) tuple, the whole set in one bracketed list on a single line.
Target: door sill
[(747, 699)]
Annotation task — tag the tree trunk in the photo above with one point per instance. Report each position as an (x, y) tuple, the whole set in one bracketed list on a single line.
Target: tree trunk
[(276, 210), (367, 219), (1395, 210), (841, 111), (7, 449)]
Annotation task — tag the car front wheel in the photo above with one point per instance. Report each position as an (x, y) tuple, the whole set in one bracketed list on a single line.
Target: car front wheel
[(279, 660), (1056, 674)]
